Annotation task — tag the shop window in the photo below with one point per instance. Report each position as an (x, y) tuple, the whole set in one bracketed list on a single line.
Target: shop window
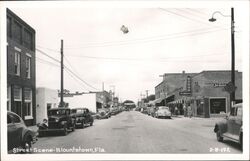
[(17, 32), (17, 63), (217, 105), (27, 67)]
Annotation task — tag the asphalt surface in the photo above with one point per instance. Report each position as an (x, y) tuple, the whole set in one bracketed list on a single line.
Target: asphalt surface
[(134, 132)]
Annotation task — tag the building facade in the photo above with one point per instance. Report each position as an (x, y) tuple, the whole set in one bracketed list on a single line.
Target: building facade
[(204, 92), (45, 99), (171, 82), (21, 68)]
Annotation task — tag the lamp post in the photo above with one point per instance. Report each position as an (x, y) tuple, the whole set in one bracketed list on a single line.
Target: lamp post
[(232, 94)]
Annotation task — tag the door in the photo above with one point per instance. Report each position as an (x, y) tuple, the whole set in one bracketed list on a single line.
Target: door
[(238, 121), (231, 121)]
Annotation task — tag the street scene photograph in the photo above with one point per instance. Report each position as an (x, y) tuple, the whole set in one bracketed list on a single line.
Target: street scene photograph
[(83, 78)]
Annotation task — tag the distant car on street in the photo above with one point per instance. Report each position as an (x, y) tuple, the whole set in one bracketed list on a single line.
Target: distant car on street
[(103, 114), (18, 134), (59, 120), (162, 112), (83, 117), (231, 127)]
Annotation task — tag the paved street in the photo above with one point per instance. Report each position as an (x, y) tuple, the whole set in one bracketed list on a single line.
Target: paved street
[(134, 132)]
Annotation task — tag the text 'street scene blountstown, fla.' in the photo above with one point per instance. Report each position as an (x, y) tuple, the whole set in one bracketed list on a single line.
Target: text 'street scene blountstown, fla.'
[(124, 80)]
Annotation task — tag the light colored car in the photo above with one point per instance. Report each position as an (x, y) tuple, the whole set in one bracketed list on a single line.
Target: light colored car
[(162, 112), (231, 127), (19, 136)]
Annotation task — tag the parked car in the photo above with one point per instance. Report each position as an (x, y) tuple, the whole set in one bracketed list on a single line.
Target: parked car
[(231, 127), (83, 117), (59, 120), (162, 112), (19, 136), (103, 114)]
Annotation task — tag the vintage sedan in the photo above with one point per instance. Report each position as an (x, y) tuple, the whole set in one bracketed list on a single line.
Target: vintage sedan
[(103, 114), (162, 112), (19, 136), (83, 117), (59, 120), (231, 127)]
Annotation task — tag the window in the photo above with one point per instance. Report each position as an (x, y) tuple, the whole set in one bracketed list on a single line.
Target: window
[(28, 103), (27, 39), (17, 63), (17, 94), (17, 32), (9, 26), (27, 67), (15, 118), (9, 119)]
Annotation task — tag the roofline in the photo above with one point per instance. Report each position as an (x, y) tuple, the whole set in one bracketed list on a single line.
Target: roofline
[(20, 20)]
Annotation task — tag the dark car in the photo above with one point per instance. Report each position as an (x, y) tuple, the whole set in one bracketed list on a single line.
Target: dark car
[(83, 117), (18, 134), (231, 127), (59, 119), (103, 114)]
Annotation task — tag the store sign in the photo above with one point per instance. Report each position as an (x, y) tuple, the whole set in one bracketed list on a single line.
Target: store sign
[(230, 87), (185, 93), (216, 84)]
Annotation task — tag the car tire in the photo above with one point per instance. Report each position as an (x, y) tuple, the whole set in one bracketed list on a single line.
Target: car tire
[(91, 123), (65, 131), (73, 127), (218, 136), (241, 141), (82, 124), (27, 145)]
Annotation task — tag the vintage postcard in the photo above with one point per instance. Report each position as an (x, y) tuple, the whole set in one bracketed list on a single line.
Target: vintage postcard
[(124, 80)]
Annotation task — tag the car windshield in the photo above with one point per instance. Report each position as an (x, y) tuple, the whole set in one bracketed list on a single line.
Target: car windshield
[(163, 108), (57, 112)]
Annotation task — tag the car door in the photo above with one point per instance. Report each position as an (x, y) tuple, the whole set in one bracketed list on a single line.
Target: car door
[(15, 131), (12, 133), (231, 121), (238, 121)]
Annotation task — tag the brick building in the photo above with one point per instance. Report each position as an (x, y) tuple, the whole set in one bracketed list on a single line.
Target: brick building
[(21, 68), (203, 91)]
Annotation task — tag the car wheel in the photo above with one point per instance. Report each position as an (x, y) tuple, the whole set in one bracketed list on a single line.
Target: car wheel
[(218, 136), (82, 124), (65, 131), (241, 141), (73, 127), (91, 123), (27, 145)]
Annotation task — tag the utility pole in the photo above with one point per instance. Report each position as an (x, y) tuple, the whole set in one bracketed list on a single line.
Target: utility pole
[(61, 101), (233, 57), (147, 94)]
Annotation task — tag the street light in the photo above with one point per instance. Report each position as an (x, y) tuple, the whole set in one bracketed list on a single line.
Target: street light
[(232, 94)]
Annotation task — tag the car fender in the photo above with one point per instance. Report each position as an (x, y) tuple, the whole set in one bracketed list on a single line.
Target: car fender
[(222, 126)]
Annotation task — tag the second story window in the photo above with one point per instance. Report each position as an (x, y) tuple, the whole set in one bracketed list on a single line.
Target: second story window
[(28, 64), (17, 63), (27, 39), (17, 32)]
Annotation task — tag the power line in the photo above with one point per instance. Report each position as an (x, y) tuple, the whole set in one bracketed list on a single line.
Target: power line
[(148, 41), (66, 68)]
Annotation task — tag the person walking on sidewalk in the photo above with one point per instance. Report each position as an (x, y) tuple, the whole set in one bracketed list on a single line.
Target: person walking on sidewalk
[(185, 110), (189, 109)]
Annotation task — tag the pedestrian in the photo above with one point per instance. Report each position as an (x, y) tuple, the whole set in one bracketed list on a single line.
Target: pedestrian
[(185, 110), (189, 109), (176, 110)]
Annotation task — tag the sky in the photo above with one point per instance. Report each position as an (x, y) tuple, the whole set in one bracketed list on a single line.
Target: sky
[(160, 40)]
